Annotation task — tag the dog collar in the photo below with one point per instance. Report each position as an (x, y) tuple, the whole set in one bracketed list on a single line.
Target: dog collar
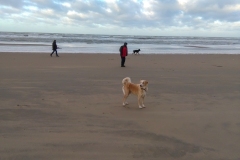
[(144, 89)]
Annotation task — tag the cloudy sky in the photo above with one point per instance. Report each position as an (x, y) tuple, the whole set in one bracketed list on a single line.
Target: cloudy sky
[(121, 17)]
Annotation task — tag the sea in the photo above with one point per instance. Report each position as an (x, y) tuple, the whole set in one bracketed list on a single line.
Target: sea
[(96, 43)]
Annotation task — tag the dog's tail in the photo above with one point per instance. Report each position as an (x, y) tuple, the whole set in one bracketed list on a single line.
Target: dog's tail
[(126, 80)]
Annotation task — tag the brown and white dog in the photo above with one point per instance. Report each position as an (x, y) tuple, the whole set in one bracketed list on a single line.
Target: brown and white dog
[(138, 89)]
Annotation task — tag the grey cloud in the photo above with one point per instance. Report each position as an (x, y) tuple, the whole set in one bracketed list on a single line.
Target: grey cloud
[(12, 3), (213, 10), (125, 13), (129, 13), (46, 4)]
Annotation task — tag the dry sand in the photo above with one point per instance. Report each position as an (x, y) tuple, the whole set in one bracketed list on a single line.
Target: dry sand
[(71, 107)]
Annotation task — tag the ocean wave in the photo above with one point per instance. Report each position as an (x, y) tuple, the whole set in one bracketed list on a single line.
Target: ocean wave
[(111, 43)]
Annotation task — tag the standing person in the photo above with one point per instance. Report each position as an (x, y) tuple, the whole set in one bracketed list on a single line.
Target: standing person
[(54, 48), (123, 53)]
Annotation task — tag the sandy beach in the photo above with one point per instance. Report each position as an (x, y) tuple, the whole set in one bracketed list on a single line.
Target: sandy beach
[(71, 107)]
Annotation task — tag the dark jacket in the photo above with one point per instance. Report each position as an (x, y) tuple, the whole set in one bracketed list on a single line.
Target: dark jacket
[(120, 50), (54, 46)]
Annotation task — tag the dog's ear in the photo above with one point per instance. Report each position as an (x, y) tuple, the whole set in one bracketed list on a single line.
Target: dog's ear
[(146, 82)]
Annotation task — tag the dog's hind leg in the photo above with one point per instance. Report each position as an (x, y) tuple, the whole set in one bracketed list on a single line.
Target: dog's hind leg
[(125, 95), (123, 90), (124, 99)]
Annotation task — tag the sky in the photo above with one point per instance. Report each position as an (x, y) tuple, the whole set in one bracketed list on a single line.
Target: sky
[(219, 18)]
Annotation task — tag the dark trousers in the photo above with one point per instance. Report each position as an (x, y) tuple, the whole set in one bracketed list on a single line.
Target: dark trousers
[(123, 61), (53, 52)]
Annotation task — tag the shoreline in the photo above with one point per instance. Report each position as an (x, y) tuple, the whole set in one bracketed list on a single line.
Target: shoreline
[(71, 107), (129, 54), (22, 44), (84, 43)]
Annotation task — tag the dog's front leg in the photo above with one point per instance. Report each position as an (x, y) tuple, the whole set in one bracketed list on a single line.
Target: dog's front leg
[(139, 102), (143, 102)]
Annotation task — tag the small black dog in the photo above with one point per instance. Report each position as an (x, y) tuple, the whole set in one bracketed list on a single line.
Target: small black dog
[(136, 51)]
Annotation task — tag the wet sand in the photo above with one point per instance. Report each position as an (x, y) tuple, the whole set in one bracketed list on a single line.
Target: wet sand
[(71, 107)]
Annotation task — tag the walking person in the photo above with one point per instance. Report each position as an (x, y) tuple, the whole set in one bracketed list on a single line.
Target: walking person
[(54, 48), (123, 53)]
